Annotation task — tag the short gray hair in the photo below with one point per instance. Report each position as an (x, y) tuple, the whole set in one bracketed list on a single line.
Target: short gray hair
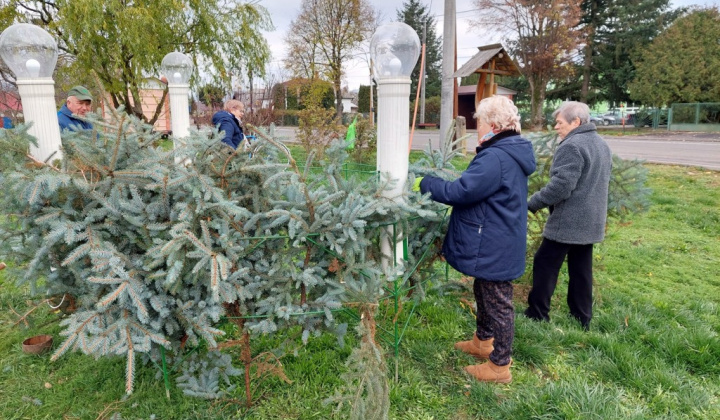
[(572, 109), (499, 111)]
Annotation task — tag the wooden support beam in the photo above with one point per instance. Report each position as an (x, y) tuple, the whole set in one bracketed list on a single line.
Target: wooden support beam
[(491, 88), (480, 89), (498, 72)]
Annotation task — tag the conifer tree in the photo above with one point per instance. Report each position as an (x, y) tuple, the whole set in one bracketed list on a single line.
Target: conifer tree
[(156, 246), (157, 251)]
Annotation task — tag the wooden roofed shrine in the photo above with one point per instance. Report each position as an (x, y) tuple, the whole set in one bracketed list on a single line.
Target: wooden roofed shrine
[(491, 60)]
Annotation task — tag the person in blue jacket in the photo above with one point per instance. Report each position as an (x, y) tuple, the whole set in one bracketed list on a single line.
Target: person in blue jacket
[(78, 103), (486, 236), (228, 122)]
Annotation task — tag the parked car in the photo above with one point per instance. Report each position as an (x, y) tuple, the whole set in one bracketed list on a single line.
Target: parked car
[(630, 119), (603, 119), (596, 119), (609, 119)]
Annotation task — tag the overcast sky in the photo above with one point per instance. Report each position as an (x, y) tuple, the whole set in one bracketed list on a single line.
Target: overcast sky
[(283, 12)]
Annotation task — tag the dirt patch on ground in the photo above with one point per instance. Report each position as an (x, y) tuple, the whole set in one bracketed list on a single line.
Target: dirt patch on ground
[(521, 292)]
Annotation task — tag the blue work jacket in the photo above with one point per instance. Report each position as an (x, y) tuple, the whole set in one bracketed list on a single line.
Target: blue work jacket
[(487, 233)]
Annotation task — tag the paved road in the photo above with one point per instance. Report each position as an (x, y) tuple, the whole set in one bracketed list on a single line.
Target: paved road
[(705, 154), (689, 149)]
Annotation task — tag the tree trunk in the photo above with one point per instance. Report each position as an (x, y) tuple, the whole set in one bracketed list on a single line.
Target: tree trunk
[(587, 65), (246, 358), (537, 100), (338, 99), (233, 311), (589, 48), (159, 107)]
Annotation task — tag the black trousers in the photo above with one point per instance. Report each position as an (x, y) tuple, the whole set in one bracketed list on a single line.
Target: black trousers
[(495, 317), (546, 267)]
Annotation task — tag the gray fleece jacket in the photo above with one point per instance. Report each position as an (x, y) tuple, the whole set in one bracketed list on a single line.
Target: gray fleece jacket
[(577, 192)]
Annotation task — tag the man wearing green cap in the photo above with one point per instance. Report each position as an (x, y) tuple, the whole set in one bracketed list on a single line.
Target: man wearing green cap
[(78, 104)]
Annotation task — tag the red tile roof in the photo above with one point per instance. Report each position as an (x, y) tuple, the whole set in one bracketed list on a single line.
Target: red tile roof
[(10, 101)]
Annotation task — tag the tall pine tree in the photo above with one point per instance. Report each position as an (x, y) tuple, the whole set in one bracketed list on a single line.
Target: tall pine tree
[(618, 32), (417, 16)]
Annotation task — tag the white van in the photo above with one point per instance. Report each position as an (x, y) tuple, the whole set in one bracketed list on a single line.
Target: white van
[(619, 112), (618, 115)]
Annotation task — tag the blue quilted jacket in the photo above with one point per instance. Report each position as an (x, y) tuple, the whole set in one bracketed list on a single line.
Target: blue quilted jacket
[(228, 124), (486, 237)]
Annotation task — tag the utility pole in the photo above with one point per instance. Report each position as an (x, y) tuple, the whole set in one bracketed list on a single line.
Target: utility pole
[(447, 99), (422, 76), (372, 84)]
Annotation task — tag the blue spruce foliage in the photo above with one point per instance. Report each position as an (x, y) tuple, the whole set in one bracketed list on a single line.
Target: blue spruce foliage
[(154, 244)]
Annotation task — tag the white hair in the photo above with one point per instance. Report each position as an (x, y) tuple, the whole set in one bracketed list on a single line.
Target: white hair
[(500, 112)]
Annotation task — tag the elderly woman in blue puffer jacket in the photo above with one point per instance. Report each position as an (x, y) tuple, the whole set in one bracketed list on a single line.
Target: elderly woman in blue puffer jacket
[(486, 236)]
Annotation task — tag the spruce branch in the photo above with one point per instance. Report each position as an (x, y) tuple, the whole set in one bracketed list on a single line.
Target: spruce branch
[(116, 147), (73, 336), (41, 164), (23, 318), (104, 414), (130, 366), (272, 141), (293, 164)]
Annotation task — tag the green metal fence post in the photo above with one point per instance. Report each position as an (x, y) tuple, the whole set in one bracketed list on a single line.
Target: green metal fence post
[(656, 118)]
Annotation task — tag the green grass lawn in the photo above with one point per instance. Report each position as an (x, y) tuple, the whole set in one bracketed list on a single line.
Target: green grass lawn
[(653, 350)]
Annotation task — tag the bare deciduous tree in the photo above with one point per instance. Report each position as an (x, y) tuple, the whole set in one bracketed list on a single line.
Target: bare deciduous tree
[(543, 37), (326, 34)]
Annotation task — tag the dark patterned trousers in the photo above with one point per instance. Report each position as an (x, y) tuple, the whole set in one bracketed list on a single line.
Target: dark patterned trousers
[(546, 266), (495, 317)]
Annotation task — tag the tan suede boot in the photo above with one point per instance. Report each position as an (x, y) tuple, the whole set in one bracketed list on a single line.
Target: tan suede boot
[(481, 349), (490, 372)]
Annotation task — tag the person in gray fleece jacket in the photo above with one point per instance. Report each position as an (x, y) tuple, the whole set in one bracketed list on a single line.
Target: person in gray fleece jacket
[(577, 197)]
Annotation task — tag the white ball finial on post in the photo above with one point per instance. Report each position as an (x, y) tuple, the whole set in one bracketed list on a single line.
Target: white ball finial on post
[(394, 48), (31, 54), (177, 69)]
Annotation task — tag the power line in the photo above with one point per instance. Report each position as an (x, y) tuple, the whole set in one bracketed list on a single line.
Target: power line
[(463, 11)]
